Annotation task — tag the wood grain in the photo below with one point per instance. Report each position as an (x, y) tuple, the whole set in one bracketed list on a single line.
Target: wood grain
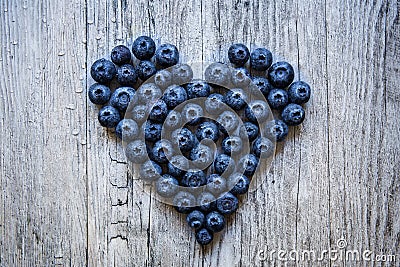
[(67, 198)]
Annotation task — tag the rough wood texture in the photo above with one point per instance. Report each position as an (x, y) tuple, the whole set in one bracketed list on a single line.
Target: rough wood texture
[(66, 197)]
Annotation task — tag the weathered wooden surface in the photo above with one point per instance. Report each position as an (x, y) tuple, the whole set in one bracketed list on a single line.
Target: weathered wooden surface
[(66, 198)]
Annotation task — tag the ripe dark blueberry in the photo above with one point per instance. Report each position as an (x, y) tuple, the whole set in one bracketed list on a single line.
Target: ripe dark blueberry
[(174, 95), (121, 98), (215, 221), (184, 202), (103, 71), (152, 131), (192, 113), (109, 117), (167, 55), (184, 139), (238, 183), (280, 74), (198, 89), (173, 120), (148, 93), (276, 130), (194, 178), (204, 236), (247, 164), (145, 69), (216, 184), (218, 73), (238, 54), (278, 98), (202, 156), (163, 78), (236, 98), (127, 75), (257, 111), (139, 113), (143, 48), (121, 55), (127, 130), (181, 73), (293, 114), (162, 151), (263, 85), (206, 201), (159, 111), (207, 130), (178, 165), (250, 130), (167, 186), (99, 94), (227, 204), (228, 122), (215, 103), (136, 152), (241, 77), (299, 92), (224, 165), (150, 171), (195, 219), (260, 59), (263, 148), (232, 145)]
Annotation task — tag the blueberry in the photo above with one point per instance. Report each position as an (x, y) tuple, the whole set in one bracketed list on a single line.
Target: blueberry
[(299, 92), (260, 59), (228, 122), (216, 184), (238, 184), (218, 73), (224, 165), (184, 139), (207, 130), (136, 152), (178, 165), (278, 98), (194, 178), (127, 130), (238, 54), (174, 95), (241, 77), (163, 78), (202, 156), (276, 130), (109, 117), (127, 75), (121, 55), (263, 85), (167, 55), (232, 145), (280, 74), (293, 114), (247, 164), (145, 69), (139, 113), (99, 94), (184, 202), (214, 104), (192, 113), (215, 221), (162, 151), (263, 148), (143, 48), (103, 71), (121, 98), (152, 131), (257, 111), (148, 93), (150, 171), (206, 201), (195, 219), (173, 120), (167, 186), (250, 130), (159, 111), (227, 204), (181, 73), (236, 98), (204, 236), (198, 89)]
